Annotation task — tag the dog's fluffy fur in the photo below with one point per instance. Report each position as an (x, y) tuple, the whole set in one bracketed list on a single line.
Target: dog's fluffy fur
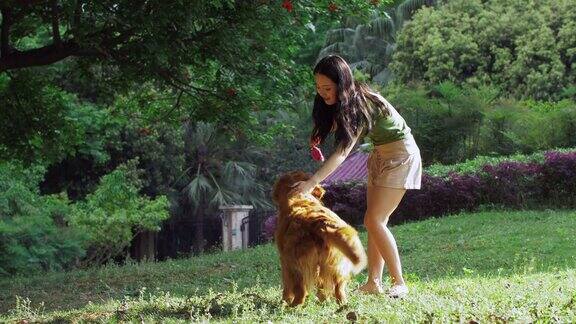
[(316, 247)]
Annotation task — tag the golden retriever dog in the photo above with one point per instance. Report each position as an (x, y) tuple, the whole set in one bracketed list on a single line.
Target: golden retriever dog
[(316, 247)]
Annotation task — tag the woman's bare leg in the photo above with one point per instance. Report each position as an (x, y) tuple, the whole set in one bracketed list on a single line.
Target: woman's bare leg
[(381, 202), (375, 268)]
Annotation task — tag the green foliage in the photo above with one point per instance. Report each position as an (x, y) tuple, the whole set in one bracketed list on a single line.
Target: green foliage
[(289, 150), (31, 117), (33, 233), (48, 232), (224, 57), (542, 125), (221, 170), (218, 173), (151, 133), (42, 122), (518, 268), (114, 213), (444, 120), (527, 126), (452, 123), (526, 48), (369, 46)]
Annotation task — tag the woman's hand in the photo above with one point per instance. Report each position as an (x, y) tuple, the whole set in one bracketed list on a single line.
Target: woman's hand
[(302, 187)]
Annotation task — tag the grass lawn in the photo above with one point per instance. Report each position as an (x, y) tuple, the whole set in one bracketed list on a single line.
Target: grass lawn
[(482, 267)]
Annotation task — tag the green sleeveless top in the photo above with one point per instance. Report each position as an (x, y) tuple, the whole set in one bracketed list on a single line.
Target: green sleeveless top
[(388, 129)]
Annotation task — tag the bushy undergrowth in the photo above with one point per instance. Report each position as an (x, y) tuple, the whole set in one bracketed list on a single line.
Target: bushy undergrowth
[(544, 180), (49, 232)]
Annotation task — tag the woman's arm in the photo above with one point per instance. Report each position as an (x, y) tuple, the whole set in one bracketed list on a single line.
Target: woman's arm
[(331, 164)]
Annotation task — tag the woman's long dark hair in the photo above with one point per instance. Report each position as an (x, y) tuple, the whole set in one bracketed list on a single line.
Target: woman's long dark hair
[(355, 109)]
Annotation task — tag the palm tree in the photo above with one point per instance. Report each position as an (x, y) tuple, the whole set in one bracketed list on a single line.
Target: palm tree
[(369, 47), (215, 176)]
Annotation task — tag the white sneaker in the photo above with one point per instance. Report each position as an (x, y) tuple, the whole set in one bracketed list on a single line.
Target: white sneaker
[(398, 291)]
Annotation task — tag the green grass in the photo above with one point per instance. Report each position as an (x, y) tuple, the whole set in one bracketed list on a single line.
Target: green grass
[(486, 267)]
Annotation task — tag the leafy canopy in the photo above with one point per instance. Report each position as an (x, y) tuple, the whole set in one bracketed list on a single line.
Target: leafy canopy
[(225, 58)]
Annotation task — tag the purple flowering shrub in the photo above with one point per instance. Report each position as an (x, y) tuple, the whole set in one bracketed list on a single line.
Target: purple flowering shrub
[(270, 226), (512, 184), (550, 184), (439, 196), (347, 199), (559, 178), (508, 184)]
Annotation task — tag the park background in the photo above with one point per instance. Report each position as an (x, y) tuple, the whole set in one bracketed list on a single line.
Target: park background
[(125, 125)]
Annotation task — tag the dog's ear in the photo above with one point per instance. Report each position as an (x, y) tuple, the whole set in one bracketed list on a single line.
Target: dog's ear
[(318, 192), (277, 191), (281, 188)]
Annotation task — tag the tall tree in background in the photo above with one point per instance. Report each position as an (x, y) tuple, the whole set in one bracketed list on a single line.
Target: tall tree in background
[(229, 50), (215, 176), (525, 48), (369, 46), (118, 67)]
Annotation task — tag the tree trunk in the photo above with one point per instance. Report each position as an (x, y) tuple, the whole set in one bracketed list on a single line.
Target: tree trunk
[(198, 242), (145, 246), (192, 211)]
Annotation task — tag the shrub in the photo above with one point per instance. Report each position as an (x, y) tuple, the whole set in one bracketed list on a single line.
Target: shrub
[(559, 178), (452, 124), (549, 181), (347, 199), (113, 214), (512, 184), (47, 232), (33, 233)]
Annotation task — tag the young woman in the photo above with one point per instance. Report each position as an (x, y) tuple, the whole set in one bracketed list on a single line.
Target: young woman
[(350, 110)]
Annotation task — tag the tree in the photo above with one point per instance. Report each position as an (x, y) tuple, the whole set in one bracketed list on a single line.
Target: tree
[(369, 47), (229, 50), (216, 176), (115, 213), (524, 47)]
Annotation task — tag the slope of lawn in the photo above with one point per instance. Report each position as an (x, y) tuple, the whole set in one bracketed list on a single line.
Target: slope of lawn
[(489, 266)]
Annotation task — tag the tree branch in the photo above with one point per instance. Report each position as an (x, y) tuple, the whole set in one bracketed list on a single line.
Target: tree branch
[(5, 32), (55, 24), (77, 16), (174, 107), (44, 56)]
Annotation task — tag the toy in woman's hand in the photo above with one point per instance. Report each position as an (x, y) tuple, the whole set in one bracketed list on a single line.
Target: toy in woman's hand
[(316, 154), (315, 151)]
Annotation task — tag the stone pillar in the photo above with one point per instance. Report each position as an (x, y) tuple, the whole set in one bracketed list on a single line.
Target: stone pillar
[(232, 236)]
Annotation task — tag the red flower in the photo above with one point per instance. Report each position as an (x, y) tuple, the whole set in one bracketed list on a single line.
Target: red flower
[(231, 92), (332, 7), (287, 4)]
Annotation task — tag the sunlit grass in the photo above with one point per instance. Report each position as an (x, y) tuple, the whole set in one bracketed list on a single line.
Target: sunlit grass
[(489, 266)]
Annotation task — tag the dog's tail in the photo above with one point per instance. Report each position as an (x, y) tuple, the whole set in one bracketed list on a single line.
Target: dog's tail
[(345, 238)]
